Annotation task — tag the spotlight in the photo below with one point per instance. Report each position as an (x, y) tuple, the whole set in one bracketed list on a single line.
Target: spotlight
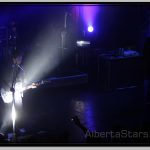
[(90, 28), (83, 43)]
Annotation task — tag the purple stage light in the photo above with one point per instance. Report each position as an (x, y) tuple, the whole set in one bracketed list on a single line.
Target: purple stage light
[(89, 16)]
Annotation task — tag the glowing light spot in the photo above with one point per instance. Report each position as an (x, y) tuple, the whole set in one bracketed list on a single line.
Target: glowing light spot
[(13, 115), (90, 28)]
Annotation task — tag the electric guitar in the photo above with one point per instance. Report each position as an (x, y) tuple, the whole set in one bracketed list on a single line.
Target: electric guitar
[(7, 96)]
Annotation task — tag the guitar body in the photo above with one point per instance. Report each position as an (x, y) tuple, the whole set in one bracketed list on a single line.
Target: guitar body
[(7, 96)]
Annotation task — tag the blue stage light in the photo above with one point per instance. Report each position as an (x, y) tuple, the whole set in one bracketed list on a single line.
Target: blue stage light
[(90, 28)]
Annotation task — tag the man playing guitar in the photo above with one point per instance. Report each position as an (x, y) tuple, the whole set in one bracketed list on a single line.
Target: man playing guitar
[(12, 81)]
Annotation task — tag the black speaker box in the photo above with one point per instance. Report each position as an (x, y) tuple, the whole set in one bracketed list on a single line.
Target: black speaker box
[(120, 72)]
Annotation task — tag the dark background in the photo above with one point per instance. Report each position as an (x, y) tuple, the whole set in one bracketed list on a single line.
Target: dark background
[(117, 25)]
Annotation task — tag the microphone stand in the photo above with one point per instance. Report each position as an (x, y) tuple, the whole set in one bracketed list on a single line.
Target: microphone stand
[(13, 102), (63, 35)]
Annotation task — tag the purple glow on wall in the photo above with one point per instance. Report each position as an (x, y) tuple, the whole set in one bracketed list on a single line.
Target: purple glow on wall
[(89, 14)]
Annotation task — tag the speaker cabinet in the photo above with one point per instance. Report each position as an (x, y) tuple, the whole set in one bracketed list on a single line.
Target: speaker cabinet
[(120, 72)]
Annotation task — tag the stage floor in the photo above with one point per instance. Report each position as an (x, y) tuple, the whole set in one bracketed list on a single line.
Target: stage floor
[(48, 112)]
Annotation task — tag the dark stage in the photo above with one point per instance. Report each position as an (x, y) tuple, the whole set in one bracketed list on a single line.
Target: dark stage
[(48, 113), (88, 71)]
